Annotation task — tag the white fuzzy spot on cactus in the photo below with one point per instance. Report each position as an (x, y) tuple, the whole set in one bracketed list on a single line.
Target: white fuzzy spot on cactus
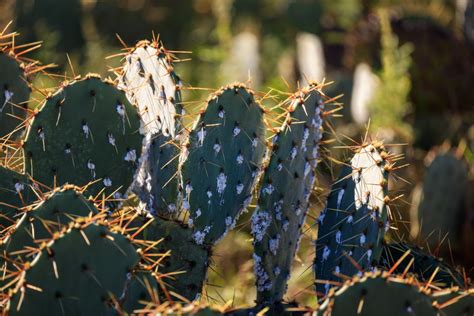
[(217, 148), (254, 173), (91, 167), (268, 189), (221, 183), (286, 225), (338, 237), (305, 139), (239, 159), (247, 201), (131, 155), (171, 208), (190, 222), (186, 205), (362, 239), (255, 142), (19, 187), (298, 210), (201, 134), (239, 188), (198, 212), (111, 139), (278, 206), (121, 112), (209, 196), (199, 236), (326, 253), (221, 114), (188, 188), (236, 131), (263, 280), (273, 244), (107, 182), (276, 271), (260, 222), (315, 153), (350, 219), (369, 255), (86, 130), (293, 152), (279, 166), (307, 168), (337, 270), (8, 96), (321, 217), (340, 195)]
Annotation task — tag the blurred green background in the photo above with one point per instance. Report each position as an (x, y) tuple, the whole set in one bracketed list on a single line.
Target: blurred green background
[(406, 64)]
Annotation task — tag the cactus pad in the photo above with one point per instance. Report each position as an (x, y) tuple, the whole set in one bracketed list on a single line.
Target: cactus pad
[(454, 301), (81, 272), (14, 94), (86, 131), (353, 224), (224, 154), (377, 294), (284, 197)]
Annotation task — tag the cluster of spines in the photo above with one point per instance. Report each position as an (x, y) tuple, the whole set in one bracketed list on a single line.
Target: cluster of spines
[(287, 184), (354, 222)]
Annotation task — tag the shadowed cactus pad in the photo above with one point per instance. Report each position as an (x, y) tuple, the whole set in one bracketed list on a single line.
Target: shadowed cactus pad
[(186, 263), (377, 294), (41, 221), (15, 192), (86, 131), (454, 301), (224, 154), (152, 85), (81, 271), (426, 267), (353, 224), (14, 94), (284, 196)]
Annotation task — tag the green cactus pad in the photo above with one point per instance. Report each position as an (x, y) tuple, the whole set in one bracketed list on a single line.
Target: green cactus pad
[(353, 224), (447, 176), (454, 301), (15, 192), (40, 222), (14, 95), (225, 151), (377, 294), (79, 273), (86, 131), (151, 83), (424, 265), (284, 196), (187, 262), (138, 293)]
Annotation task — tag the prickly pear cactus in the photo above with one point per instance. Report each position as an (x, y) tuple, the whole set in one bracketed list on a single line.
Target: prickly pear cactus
[(14, 95), (15, 192), (186, 263), (353, 224), (43, 219), (151, 83), (86, 132), (224, 153), (377, 294), (284, 196), (447, 176), (425, 266), (83, 270)]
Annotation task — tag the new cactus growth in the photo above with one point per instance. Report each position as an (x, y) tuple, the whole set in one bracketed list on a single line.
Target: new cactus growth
[(83, 270), (426, 267), (375, 294), (86, 132), (224, 154), (353, 224), (151, 83), (15, 192), (284, 195)]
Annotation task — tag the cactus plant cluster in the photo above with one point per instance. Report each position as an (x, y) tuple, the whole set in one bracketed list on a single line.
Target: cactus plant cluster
[(70, 246)]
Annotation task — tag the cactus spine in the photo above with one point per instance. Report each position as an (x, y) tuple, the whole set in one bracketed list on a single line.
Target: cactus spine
[(284, 196), (353, 224)]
